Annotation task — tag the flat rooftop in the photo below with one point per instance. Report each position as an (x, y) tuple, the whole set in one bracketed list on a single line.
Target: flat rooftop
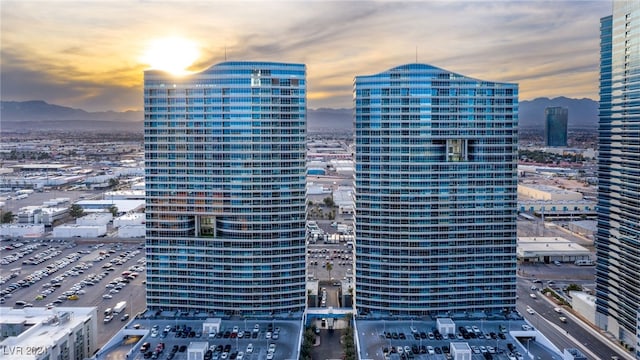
[(287, 342), (377, 335), (43, 327)]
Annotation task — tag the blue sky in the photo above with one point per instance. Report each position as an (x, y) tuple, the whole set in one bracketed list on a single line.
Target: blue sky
[(91, 54)]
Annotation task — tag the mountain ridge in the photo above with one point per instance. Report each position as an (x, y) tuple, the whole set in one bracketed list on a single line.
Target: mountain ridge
[(583, 114)]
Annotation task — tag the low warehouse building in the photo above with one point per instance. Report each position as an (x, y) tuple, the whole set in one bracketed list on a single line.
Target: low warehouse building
[(550, 249)]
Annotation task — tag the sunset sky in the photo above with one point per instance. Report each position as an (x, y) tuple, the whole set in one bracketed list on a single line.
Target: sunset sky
[(92, 54)]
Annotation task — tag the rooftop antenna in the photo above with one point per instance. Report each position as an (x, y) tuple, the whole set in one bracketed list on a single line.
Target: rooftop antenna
[(225, 53)]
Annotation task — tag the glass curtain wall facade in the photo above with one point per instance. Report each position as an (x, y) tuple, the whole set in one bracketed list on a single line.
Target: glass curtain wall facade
[(436, 181), (618, 233), (225, 189), (555, 126)]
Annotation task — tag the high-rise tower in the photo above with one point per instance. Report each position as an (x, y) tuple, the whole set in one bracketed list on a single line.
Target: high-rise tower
[(436, 184), (618, 234), (555, 126), (225, 188)]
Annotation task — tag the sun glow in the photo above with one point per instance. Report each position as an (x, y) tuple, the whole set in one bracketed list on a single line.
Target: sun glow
[(172, 54)]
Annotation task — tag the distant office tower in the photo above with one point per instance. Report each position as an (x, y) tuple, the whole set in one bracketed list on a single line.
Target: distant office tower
[(436, 179), (618, 234), (555, 126), (225, 189)]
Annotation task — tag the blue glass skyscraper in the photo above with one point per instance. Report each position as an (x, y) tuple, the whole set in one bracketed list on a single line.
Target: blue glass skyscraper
[(618, 234), (556, 119), (225, 189), (436, 183)]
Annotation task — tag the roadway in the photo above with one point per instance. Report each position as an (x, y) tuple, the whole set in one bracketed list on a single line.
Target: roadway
[(562, 335)]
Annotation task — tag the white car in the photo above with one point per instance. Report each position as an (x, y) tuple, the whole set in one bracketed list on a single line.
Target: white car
[(249, 348), (530, 311)]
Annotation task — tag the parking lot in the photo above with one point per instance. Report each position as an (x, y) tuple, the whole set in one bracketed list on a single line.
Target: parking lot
[(422, 340), (236, 340), (50, 272)]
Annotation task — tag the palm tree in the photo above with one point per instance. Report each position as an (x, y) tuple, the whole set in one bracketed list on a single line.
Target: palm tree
[(7, 217), (113, 210), (76, 211)]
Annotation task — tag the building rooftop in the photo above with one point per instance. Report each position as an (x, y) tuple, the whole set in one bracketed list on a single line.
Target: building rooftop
[(377, 335), (536, 246), (209, 331), (43, 327)]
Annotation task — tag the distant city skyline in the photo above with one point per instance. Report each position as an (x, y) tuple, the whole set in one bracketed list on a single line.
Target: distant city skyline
[(92, 54)]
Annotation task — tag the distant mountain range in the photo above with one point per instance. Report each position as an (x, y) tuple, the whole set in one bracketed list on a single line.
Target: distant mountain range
[(39, 115), (583, 113)]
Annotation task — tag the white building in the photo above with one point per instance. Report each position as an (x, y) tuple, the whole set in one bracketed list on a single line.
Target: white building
[(129, 219), (132, 231), (138, 186), (547, 192), (317, 189), (57, 202), (197, 349), (124, 206), (41, 333), (446, 326), (124, 195), (548, 249), (344, 167), (584, 304), (83, 231), (22, 230), (343, 199), (41, 214), (95, 219), (460, 351)]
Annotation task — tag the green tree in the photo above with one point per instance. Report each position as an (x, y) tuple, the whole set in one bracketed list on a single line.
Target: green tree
[(347, 340), (114, 182), (113, 210), (329, 268), (76, 211), (307, 344), (329, 201), (7, 217), (574, 287)]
